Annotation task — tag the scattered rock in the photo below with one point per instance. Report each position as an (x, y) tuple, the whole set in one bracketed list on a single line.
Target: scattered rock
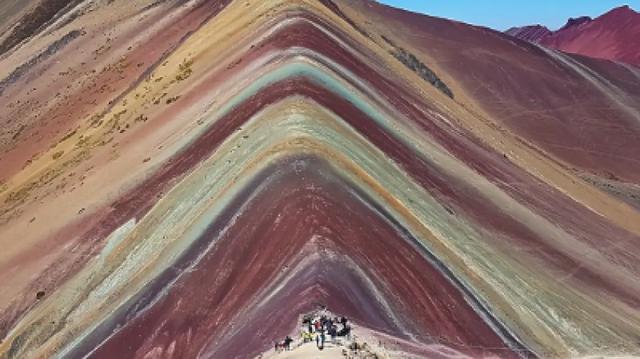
[(184, 70), (172, 99)]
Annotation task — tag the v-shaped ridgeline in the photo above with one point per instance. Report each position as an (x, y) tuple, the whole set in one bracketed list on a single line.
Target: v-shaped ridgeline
[(273, 156)]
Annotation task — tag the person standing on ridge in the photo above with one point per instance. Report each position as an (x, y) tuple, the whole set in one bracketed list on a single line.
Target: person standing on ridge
[(333, 331)]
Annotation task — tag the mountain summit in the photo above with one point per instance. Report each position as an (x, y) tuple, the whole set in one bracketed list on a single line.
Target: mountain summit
[(531, 33), (614, 35)]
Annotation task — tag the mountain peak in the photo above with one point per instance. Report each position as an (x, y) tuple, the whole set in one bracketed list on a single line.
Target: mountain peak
[(623, 9), (530, 33), (576, 21), (613, 35)]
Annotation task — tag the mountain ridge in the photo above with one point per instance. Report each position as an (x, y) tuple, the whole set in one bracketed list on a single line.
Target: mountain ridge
[(188, 179), (613, 36)]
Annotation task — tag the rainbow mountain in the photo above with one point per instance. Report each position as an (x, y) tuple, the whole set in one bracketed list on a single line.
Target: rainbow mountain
[(183, 179)]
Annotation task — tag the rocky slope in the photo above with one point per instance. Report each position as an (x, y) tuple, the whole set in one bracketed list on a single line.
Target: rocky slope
[(185, 178)]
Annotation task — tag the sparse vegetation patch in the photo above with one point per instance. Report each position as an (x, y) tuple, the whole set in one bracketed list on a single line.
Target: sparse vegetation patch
[(414, 64)]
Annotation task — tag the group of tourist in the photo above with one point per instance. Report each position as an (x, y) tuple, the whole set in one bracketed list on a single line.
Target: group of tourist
[(284, 345), (318, 328), (322, 326)]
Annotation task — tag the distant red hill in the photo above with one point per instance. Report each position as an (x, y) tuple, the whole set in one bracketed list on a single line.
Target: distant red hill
[(614, 35)]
